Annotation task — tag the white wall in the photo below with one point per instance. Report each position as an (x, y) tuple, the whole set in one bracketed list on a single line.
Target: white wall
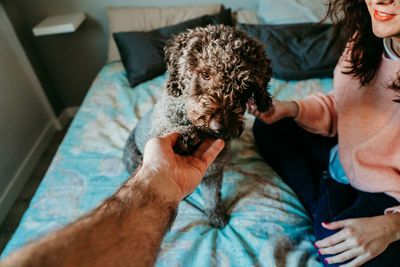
[(84, 52), (27, 122)]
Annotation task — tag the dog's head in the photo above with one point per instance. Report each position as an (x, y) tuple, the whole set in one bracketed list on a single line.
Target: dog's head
[(217, 70)]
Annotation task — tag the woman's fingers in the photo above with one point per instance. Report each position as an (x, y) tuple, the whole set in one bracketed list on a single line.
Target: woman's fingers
[(360, 240), (333, 239), (337, 224), (336, 249), (358, 261), (344, 256), (252, 109)]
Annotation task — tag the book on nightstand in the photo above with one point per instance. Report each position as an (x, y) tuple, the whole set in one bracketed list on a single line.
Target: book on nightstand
[(59, 24)]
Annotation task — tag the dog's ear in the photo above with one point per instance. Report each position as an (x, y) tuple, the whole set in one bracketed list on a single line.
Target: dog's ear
[(173, 52), (261, 96)]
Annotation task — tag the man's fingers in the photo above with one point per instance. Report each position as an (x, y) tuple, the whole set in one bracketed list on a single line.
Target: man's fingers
[(170, 138), (209, 150)]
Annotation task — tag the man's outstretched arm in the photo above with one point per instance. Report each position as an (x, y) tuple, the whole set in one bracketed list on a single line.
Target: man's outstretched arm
[(127, 228)]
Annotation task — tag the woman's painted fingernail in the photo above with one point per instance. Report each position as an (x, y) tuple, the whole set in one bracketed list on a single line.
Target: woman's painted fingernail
[(315, 245), (326, 261), (325, 223), (319, 252)]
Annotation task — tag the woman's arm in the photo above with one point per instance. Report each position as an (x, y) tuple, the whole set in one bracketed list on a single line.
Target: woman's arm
[(360, 239), (127, 228), (317, 113)]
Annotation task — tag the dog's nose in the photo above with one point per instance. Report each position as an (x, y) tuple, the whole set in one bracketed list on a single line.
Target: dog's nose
[(215, 125)]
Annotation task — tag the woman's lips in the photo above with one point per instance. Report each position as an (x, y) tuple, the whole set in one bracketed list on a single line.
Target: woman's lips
[(383, 16)]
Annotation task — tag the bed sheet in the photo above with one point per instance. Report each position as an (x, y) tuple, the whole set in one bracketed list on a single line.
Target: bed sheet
[(268, 225)]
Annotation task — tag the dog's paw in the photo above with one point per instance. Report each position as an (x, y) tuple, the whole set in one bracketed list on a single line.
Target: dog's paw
[(186, 144)]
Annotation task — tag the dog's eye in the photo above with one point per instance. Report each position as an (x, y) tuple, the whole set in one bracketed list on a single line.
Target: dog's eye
[(205, 75)]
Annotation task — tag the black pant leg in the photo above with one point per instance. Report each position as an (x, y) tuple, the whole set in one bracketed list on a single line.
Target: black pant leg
[(295, 154)]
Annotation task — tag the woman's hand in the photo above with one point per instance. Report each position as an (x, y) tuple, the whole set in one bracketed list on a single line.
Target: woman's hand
[(279, 110), (360, 239)]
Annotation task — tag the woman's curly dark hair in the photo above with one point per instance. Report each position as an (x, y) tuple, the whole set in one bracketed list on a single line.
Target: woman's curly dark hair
[(352, 19)]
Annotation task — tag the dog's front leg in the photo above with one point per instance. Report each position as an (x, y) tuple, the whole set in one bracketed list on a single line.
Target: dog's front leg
[(211, 192)]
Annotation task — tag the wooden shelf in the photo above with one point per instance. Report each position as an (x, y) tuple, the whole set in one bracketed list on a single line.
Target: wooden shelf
[(59, 24)]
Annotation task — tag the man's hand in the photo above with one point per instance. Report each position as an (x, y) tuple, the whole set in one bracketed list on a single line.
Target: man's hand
[(184, 171), (278, 111), (360, 239)]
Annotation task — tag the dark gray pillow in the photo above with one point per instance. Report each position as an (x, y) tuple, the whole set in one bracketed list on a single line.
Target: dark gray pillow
[(142, 53), (299, 51)]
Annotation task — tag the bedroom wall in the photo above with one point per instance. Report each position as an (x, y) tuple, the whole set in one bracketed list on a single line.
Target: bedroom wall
[(66, 64), (26, 118)]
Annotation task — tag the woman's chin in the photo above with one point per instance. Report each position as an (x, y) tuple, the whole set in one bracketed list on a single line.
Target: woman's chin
[(382, 31)]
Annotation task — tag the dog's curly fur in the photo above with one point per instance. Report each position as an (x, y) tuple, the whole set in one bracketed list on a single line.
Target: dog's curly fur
[(213, 72)]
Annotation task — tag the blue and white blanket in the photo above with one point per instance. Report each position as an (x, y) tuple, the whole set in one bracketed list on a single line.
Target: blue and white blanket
[(268, 225)]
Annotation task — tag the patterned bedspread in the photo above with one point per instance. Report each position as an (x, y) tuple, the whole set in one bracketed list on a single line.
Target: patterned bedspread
[(268, 226)]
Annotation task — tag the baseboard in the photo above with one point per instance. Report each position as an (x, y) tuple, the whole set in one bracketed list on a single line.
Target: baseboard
[(66, 115), (23, 173)]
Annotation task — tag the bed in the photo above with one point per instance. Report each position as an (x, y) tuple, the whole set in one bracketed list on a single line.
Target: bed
[(268, 225)]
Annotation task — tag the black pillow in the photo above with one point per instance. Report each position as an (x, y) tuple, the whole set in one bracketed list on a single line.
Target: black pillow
[(299, 51), (142, 53)]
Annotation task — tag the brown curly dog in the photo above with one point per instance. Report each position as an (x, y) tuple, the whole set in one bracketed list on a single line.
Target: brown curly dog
[(213, 72)]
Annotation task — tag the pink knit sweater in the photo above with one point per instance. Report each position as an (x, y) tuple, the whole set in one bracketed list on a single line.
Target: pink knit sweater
[(367, 122)]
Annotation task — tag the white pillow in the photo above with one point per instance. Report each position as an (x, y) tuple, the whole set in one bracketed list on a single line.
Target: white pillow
[(124, 19), (246, 16), (292, 11)]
